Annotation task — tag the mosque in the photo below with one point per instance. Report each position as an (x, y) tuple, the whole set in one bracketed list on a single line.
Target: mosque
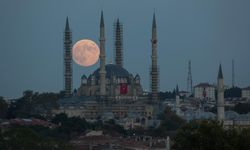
[(110, 80), (119, 83), (111, 92)]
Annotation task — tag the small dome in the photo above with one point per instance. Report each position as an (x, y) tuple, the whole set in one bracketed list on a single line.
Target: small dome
[(83, 77), (230, 115), (113, 70), (137, 77)]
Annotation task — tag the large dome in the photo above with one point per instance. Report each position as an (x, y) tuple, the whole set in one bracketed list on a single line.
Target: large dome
[(112, 70)]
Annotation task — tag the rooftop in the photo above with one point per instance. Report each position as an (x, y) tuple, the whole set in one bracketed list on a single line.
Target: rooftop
[(246, 88), (204, 85), (112, 70)]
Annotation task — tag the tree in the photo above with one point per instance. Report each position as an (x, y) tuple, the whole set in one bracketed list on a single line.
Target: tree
[(33, 104), (69, 127), (23, 138), (169, 122), (232, 92), (200, 135), (242, 108), (243, 139), (166, 95), (27, 94), (210, 135), (3, 108)]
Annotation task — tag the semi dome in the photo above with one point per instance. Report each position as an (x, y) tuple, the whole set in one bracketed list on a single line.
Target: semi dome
[(113, 70)]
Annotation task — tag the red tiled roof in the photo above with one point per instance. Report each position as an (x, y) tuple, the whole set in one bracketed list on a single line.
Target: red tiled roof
[(32, 121)]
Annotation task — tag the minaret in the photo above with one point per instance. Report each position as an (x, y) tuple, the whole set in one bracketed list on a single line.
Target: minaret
[(118, 33), (168, 143), (189, 79), (154, 68), (67, 60), (220, 96), (102, 58), (233, 76), (177, 100)]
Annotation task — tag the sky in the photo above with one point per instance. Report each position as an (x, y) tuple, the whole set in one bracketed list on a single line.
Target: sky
[(207, 32)]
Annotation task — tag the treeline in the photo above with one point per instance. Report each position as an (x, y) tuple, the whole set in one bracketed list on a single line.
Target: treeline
[(26, 138), (58, 138), (233, 92), (240, 108), (40, 137), (168, 94), (211, 135), (29, 105)]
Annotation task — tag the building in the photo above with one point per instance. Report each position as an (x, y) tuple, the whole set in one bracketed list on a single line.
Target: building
[(111, 80), (122, 110), (98, 140), (111, 92), (228, 118), (119, 83), (204, 90), (184, 94), (245, 92)]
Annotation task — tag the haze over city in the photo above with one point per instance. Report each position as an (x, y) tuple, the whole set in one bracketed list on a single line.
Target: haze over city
[(205, 32)]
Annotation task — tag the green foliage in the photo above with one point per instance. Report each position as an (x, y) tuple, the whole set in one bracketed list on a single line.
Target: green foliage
[(60, 118), (69, 127), (23, 138), (242, 108), (170, 121), (243, 139), (33, 104), (210, 135), (113, 129), (166, 95), (232, 92), (3, 108)]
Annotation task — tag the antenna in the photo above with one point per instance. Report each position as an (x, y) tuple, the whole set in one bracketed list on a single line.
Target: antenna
[(189, 79), (233, 75)]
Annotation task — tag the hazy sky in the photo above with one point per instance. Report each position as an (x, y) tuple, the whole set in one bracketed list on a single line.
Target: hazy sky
[(205, 31)]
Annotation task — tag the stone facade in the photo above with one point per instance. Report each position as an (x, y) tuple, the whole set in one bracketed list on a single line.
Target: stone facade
[(204, 90), (119, 83), (245, 93), (92, 109)]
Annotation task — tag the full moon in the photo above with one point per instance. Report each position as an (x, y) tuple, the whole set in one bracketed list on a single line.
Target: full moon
[(85, 53)]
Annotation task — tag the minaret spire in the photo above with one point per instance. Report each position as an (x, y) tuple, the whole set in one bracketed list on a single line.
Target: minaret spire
[(154, 67), (102, 20), (177, 90), (102, 58), (67, 25), (220, 96), (154, 21), (220, 74), (118, 34), (233, 75), (67, 60), (189, 79)]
